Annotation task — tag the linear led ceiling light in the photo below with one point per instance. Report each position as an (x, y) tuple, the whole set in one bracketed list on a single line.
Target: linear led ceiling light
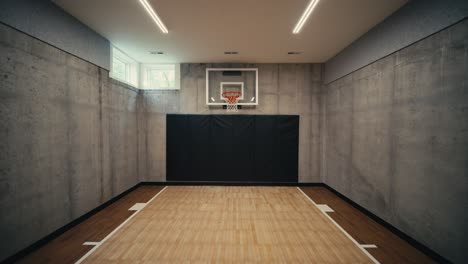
[(305, 16), (154, 16)]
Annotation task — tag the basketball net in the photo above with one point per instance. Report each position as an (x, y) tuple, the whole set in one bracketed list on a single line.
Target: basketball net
[(231, 99)]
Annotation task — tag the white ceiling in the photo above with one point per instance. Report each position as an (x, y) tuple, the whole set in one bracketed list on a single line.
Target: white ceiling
[(260, 30)]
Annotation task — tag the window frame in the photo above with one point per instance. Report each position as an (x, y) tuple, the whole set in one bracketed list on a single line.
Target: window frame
[(147, 67), (131, 67)]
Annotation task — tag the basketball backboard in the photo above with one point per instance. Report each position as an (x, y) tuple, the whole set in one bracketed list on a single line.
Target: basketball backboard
[(220, 80)]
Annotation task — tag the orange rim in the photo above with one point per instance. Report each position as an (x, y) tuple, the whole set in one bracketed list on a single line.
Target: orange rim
[(231, 96)]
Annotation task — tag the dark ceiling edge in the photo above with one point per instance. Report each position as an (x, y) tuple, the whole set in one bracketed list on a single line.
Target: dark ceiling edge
[(47, 43), (388, 55)]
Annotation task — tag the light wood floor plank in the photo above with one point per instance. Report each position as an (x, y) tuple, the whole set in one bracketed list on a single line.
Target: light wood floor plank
[(210, 224)]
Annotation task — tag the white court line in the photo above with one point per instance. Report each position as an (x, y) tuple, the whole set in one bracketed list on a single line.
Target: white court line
[(325, 208), (137, 207), (115, 230), (342, 230), (369, 246), (91, 243)]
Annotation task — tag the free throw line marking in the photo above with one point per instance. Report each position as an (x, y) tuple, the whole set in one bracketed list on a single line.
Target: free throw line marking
[(137, 207), (91, 243), (325, 208), (368, 246)]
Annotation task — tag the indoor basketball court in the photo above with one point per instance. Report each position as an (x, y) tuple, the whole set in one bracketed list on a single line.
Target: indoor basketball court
[(215, 131)]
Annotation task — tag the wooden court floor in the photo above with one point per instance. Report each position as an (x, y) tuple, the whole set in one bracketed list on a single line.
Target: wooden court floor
[(69, 248), (211, 224)]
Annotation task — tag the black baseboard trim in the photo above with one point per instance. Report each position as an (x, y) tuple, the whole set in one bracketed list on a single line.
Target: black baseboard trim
[(36, 245), (230, 183), (413, 242)]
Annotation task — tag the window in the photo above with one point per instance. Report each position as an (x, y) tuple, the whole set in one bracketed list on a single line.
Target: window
[(144, 76), (160, 76), (124, 68)]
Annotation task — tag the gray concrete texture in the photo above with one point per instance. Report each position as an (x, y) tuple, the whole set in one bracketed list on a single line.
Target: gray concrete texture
[(49, 23), (391, 136), (69, 139), (396, 140), (283, 89), (411, 23)]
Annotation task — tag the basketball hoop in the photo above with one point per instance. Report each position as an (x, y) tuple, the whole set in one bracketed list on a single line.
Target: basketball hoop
[(231, 98)]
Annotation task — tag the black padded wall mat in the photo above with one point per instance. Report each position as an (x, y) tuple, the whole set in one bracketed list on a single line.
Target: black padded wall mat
[(245, 148)]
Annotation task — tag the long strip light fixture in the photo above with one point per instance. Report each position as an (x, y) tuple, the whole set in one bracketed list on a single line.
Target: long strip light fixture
[(305, 16), (154, 16)]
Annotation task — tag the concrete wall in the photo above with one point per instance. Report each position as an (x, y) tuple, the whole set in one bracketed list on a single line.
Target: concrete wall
[(415, 21), (397, 140), (48, 22), (283, 89), (68, 139)]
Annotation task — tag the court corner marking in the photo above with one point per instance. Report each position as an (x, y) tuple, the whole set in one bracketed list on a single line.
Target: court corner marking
[(342, 230), (117, 229)]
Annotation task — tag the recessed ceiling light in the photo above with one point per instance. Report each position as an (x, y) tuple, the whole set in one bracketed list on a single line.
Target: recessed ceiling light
[(154, 16), (305, 16), (231, 52)]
